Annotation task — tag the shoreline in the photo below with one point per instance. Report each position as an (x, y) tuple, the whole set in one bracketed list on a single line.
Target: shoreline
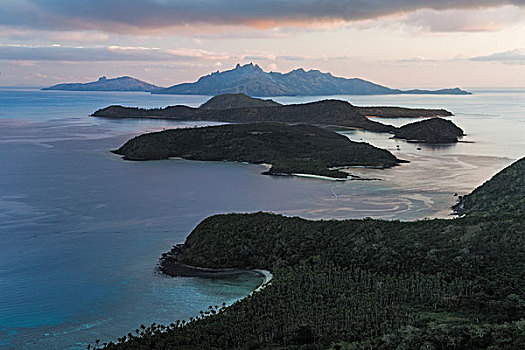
[(349, 177), (170, 267), (410, 117), (319, 177)]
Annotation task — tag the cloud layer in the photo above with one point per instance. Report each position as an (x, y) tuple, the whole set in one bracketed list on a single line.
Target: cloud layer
[(132, 16), (27, 53), (103, 53), (516, 56)]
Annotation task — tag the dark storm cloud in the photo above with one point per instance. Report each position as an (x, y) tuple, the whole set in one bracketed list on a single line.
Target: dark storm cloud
[(136, 16)]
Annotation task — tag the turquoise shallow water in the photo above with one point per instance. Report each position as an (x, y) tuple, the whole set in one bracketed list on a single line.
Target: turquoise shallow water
[(82, 230)]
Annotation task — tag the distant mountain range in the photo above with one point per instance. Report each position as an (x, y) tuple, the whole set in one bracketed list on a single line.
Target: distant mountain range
[(105, 84), (251, 80)]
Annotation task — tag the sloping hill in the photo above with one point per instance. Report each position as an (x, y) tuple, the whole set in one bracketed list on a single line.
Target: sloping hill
[(434, 130), (105, 84), (503, 194)]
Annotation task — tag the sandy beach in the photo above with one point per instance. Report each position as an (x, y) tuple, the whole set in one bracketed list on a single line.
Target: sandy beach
[(171, 267)]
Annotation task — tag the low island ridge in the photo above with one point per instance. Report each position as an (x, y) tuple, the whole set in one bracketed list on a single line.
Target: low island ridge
[(290, 149), (240, 108)]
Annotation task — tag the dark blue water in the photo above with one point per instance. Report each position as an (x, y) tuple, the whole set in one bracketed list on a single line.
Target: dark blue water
[(82, 230)]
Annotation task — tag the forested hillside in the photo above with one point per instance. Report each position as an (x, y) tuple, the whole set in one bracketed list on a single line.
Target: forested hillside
[(504, 193), (361, 284)]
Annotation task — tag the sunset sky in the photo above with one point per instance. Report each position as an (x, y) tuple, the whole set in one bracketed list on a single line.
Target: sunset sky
[(398, 43)]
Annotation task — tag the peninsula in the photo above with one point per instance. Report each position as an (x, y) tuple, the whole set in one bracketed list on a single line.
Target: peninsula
[(250, 79), (240, 108), (504, 193), (362, 284), (104, 84), (290, 149)]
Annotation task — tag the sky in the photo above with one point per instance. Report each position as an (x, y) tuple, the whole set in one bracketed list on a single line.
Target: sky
[(397, 43)]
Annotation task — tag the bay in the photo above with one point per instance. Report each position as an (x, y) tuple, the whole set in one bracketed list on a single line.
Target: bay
[(82, 230)]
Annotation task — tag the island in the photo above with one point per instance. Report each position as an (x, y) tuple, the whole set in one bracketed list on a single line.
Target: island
[(104, 84), (250, 79), (240, 100), (434, 130), (290, 149), (240, 108), (362, 284)]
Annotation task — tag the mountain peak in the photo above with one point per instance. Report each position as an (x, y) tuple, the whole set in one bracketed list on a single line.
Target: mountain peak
[(298, 70), (251, 80), (102, 78), (248, 67)]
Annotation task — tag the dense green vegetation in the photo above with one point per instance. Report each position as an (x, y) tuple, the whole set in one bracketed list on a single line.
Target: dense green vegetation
[(360, 284), (290, 149), (240, 108), (434, 130), (504, 193)]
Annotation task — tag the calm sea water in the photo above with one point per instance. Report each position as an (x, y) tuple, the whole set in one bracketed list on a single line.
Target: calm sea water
[(82, 230)]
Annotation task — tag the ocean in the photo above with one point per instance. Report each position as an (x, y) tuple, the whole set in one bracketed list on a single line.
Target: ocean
[(82, 230)]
